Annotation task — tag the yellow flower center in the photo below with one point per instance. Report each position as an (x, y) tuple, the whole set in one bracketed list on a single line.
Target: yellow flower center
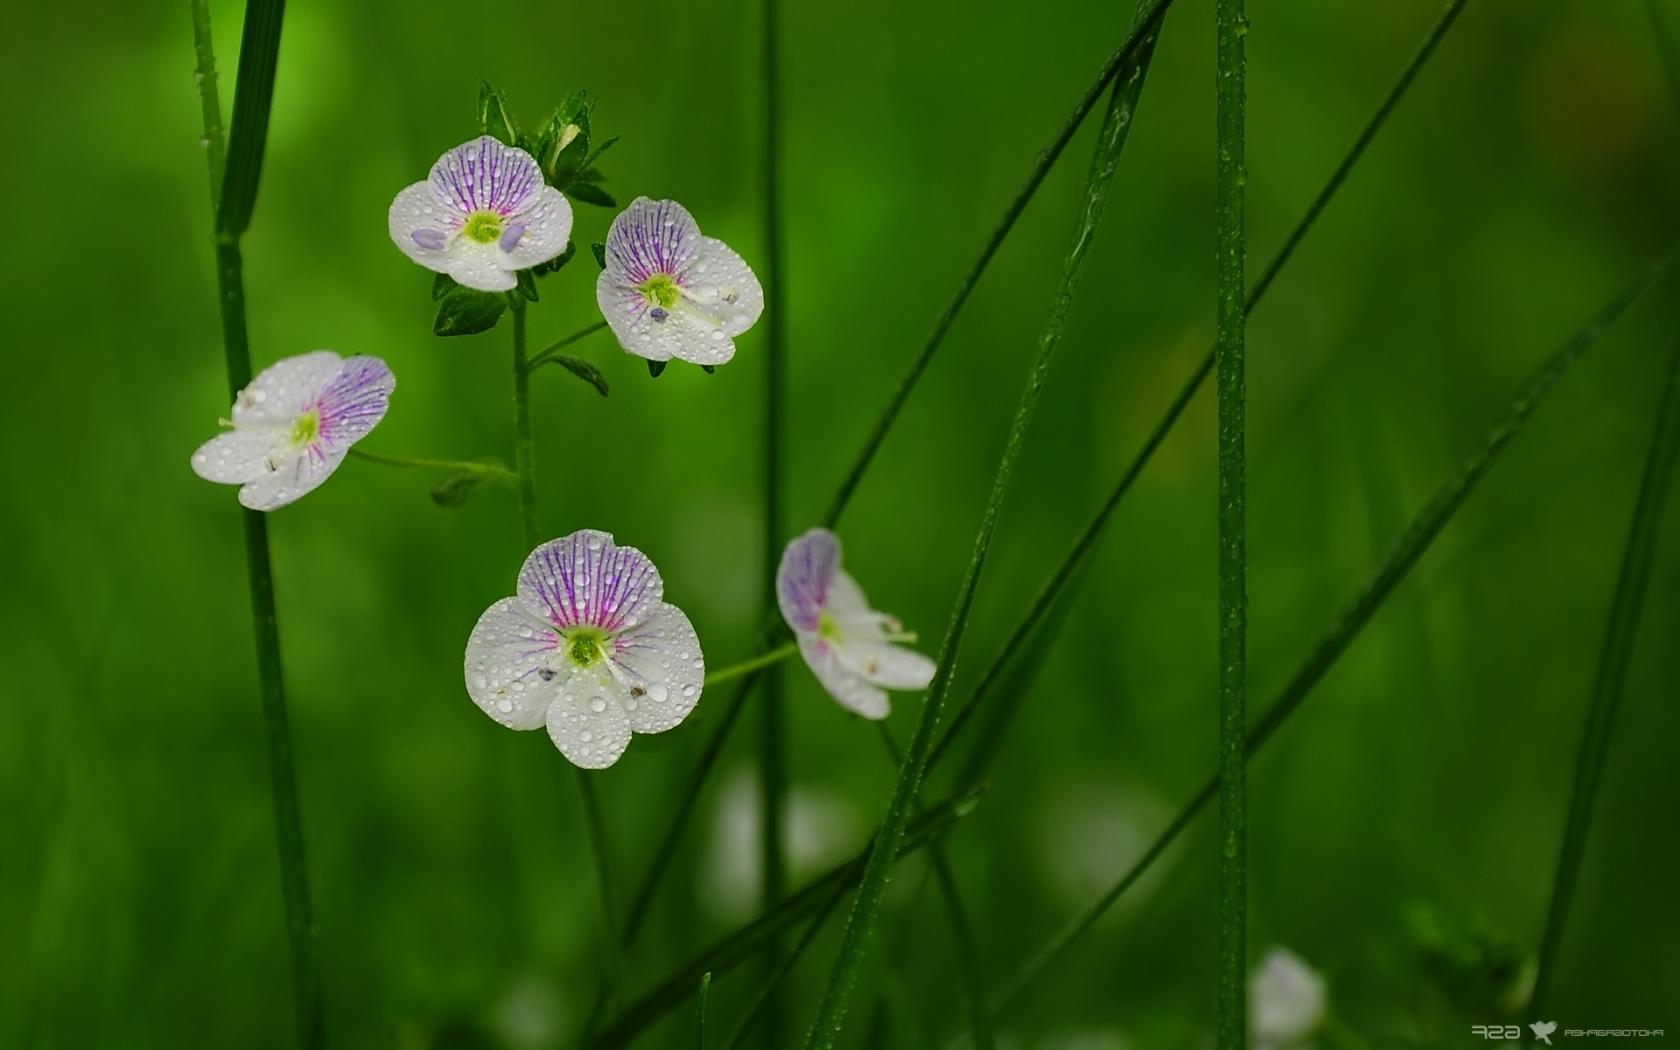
[(661, 291), (305, 428), (483, 227)]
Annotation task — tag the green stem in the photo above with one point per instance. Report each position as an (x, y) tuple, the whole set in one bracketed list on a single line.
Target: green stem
[(768, 986), (1229, 259), (700, 1010), (1619, 636), (772, 766), (1143, 28), (523, 459), (1417, 538), (256, 88), (831, 1010), (756, 663), (465, 466), (553, 349)]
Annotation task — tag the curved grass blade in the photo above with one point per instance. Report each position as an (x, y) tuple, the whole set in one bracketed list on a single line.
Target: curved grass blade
[(1144, 27), (1419, 534), (700, 1010), (788, 961), (746, 942), (1049, 595), (233, 187), (831, 1010), (1619, 637), (1230, 257)]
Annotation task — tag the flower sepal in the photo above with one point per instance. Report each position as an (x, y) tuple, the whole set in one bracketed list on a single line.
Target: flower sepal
[(495, 116)]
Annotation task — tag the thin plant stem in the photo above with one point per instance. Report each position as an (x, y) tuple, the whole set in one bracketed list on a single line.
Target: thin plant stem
[(831, 1010), (768, 986), (748, 941), (1419, 535), (756, 663), (1229, 259), (1619, 636), (971, 971), (700, 1010), (523, 458), (233, 196), (772, 767), (1088, 540), (493, 471), (553, 349), (1143, 28)]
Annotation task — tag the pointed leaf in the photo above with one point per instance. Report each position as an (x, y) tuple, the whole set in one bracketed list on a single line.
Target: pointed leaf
[(589, 193), (495, 117), (442, 285), (466, 312), (656, 367), (582, 369), (599, 250), (527, 284)]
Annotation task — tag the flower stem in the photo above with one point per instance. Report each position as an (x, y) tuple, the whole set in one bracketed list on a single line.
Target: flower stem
[(748, 666), (553, 349), (1619, 635), (256, 87), (464, 466), (831, 1010), (772, 763), (1229, 258)]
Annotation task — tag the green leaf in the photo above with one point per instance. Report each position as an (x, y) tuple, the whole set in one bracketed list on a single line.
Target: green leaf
[(599, 250), (656, 367), (465, 311), (442, 285), (589, 193), (582, 369), (605, 145), (554, 264), (495, 117), (527, 284), (708, 369), (568, 144)]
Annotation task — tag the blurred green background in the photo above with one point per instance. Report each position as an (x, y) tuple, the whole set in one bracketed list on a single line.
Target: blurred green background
[(1403, 826)]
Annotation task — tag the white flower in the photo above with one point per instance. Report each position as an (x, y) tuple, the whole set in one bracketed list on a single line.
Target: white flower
[(293, 425), (587, 648), (848, 646), (482, 214), (1286, 999), (669, 292)]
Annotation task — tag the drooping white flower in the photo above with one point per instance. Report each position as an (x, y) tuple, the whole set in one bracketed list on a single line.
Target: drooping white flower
[(1286, 999), (851, 648), (293, 425), (588, 648), (669, 292), (482, 214)]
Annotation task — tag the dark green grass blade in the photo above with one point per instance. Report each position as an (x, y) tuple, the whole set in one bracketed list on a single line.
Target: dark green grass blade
[(700, 1011), (747, 941), (768, 986), (1419, 534), (234, 179), (831, 1010), (1144, 27), (1048, 596), (1619, 637)]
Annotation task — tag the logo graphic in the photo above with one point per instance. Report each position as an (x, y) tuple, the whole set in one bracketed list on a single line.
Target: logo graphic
[(1543, 1029)]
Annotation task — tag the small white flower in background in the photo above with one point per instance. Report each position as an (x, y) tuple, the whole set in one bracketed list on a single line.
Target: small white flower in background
[(293, 425), (588, 648), (669, 292), (483, 214), (850, 647), (1286, 1000)]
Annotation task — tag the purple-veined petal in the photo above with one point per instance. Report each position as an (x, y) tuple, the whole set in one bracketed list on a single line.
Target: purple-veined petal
[(719, 286), (885, 664), (660, 668), (543, 229), (808, 567), (485, 175), (843, 684), (588, 725), (587, 579), (355, 400), (290, 476), (683, 332), (650, 237), (510, 672), (284, 390), (237, 456)]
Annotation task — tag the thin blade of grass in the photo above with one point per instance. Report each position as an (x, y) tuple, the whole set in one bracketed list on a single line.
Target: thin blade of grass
[(1049, 595), (1144, 27), (1419, 534), (1619, 637), (785, 967), (1230, 256), (700, 1010), (831, 1010), (745, 942), (234, 175)]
